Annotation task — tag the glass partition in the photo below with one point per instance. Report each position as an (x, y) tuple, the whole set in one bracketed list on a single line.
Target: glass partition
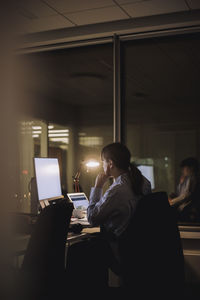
[(72, 90), (32, 143), (58, 137), (162, 108)]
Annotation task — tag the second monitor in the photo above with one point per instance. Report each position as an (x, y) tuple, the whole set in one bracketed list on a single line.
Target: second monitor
[(79, 200)]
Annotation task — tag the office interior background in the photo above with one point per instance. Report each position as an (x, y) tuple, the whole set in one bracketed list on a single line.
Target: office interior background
[(87, 73), (71, 111)]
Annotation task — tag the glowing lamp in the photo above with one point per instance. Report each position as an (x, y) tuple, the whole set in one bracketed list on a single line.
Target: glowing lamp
[(91, 164)]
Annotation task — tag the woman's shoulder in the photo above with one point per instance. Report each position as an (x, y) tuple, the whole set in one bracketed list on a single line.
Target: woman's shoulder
[(120, 186)]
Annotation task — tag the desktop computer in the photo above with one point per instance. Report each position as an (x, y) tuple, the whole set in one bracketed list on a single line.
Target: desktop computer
[(49, 191), (48, 182)]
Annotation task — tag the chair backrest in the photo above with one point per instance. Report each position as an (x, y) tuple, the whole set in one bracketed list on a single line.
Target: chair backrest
[(150, 249), (45, 254)]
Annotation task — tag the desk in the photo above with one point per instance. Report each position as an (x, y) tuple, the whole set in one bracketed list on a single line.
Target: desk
[(84, 222), (190, 238), (85, 233)]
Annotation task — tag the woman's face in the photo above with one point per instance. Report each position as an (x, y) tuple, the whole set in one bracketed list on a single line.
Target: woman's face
[(106, 166), (186, 171)]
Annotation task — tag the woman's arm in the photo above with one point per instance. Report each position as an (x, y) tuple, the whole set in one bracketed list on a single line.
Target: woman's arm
[(184, 194), (178, 200), (101, 208)]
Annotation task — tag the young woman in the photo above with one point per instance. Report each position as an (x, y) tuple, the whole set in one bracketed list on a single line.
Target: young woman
[(114, 209)]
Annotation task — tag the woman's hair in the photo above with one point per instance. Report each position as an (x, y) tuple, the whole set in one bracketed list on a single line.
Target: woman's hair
[(192, 163), (121, 156)]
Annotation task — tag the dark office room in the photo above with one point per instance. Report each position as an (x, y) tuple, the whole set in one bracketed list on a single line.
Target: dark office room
[(100, 149)]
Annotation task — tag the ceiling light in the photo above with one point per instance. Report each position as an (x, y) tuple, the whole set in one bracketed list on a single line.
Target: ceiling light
[(36, 131), (58, 130), (62, 140), (58, 134)]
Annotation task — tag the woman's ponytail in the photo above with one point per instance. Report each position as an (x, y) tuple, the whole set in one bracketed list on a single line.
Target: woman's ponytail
[(137, 180)]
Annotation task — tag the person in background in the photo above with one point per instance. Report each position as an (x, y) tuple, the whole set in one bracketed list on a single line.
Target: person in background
[(187, 197)]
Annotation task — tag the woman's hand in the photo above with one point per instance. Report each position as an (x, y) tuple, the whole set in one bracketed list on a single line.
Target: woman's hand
[(170, 200), (182, 178), (101, 180)]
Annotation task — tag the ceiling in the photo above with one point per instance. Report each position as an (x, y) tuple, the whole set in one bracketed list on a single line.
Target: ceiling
[(76, 76), (44, 15)]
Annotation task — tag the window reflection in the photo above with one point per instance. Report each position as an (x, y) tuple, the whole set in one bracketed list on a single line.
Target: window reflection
[(72, 90), (162, 105), (63, 143), (32, 143), (58, 137)]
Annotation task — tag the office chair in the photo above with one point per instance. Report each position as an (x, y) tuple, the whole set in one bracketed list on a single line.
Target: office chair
[(150, 250), (43, 267)]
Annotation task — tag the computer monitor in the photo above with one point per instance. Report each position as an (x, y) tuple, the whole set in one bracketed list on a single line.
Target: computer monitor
[(47, 174), (148, 172)]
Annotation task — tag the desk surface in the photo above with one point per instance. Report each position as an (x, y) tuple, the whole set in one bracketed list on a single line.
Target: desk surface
[(86, 232), (82, 221)]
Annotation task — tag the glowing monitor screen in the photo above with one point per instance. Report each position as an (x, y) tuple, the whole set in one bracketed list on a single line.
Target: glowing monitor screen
[(79, 200), (48, 178), (147, 171)]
